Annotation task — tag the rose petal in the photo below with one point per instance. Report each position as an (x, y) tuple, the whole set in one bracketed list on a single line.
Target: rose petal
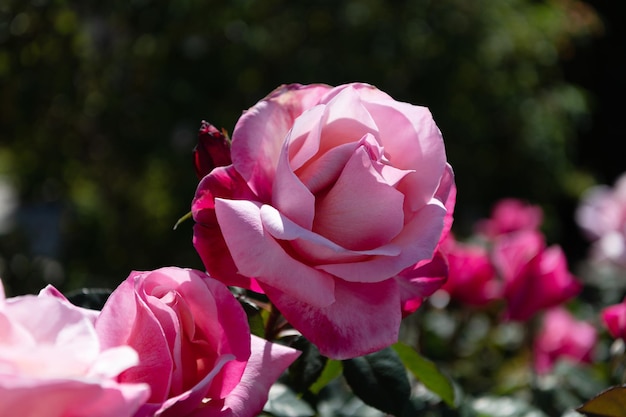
[(363, 319), (257, 254), (122, 323), (421, 280), (260, 132), (412, 140), (360, 212), (311, 245), (267, 362), (20, 396), (417, 241)]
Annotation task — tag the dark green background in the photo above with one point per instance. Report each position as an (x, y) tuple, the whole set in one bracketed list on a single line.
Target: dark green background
[(100, 103)]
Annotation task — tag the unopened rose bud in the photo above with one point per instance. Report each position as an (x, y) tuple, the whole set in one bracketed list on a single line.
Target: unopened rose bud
[(212, 150)]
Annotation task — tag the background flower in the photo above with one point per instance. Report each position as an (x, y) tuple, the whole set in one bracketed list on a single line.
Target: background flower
[(561, 336)]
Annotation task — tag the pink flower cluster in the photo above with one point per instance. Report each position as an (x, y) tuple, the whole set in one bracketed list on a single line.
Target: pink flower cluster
[(601, 215), (509, 260), (170, 342)]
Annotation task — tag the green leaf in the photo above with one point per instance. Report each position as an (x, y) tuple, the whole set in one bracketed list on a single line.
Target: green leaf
[(427, 372), (283, 402), (331, 371), (609, 403), (92, 298), (308, 367), (379, 380), (504, 407)]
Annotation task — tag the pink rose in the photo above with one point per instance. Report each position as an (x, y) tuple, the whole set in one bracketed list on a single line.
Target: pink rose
[(535, 277), (471, 277), (331, 194), (194, 345), (601, 215), (52, 363), (614, 318), (561, 336), (510, 215)]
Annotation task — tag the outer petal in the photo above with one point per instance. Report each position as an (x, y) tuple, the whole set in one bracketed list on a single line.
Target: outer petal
[(261, 131), (122, 321), (267, 362), (257, 254), (60, 398), (363, 319), (421, 280), (223, 182)]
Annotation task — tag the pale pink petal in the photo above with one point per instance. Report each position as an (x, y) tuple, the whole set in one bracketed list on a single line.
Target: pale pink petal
[(363, 319), (257, 254), (360, 211), (260, 132), (347, 120), (412, 141), (25, 397), (112, 362), (290, 195)]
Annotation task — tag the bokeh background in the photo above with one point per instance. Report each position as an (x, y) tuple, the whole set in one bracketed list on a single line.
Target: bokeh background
[(100, 104)]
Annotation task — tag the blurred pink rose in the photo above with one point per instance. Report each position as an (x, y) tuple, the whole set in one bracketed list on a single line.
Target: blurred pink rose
[(614, 318), (535, 277), (601, 215), (510, 215), (471, 276), (332, 193), (561, 336), (194, 345), (52, 364)]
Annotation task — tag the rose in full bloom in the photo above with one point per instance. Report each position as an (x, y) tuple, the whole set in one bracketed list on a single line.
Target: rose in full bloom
[(601, 215), (562, 336), (194, 345), (334, 201), (614, 318), (52, 363), (510, 215), (535, 277)]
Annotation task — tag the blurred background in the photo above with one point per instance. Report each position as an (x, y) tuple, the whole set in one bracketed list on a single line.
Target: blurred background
[(100, 104)]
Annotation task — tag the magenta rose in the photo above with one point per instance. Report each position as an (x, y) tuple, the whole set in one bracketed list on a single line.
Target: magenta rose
[(194, 345), (562, 337), (472, 277), (52, 363), (333, 195), (614, 318), (535, 277)]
